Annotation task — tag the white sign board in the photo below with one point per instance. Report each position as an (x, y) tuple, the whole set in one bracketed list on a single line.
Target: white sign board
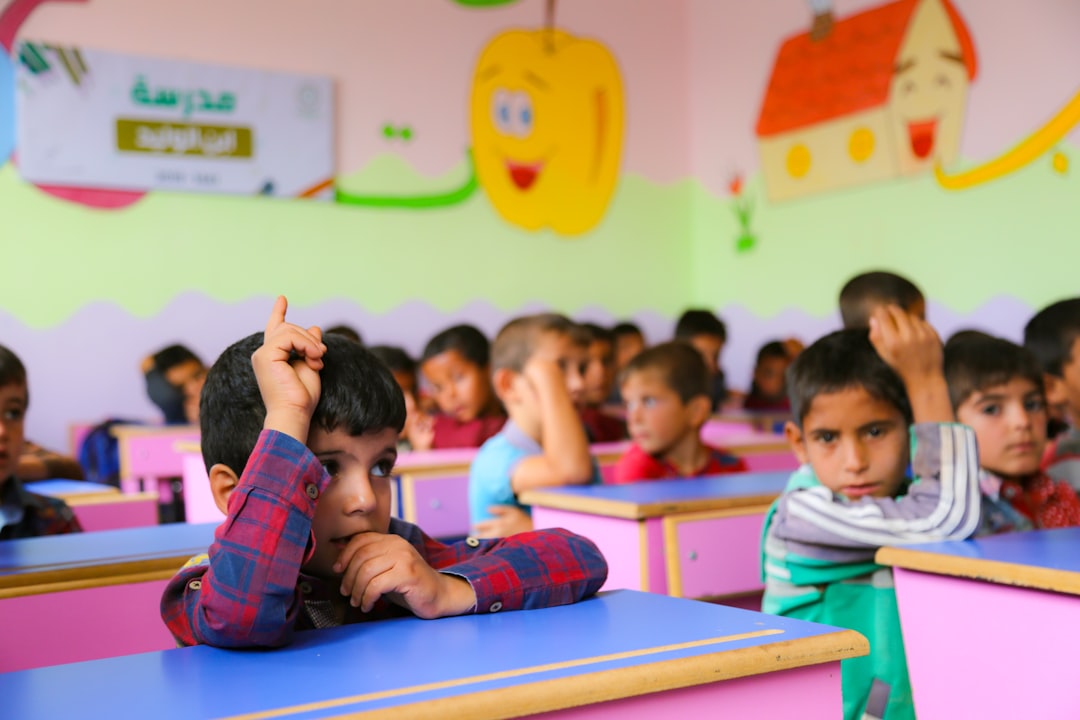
[(93, 119)]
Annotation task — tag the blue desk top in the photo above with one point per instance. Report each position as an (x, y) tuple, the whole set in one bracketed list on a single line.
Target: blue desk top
[(664, 497), (1044, 559), (397, 663), (63, 488), (59, 557)]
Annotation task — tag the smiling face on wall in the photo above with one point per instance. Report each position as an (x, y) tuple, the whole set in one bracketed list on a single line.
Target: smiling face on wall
[(546, 117)]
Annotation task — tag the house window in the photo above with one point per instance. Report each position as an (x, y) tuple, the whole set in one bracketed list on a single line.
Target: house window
[(861, 144), (798, 161)]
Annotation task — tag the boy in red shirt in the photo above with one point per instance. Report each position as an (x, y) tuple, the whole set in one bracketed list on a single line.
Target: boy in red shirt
[(666, 390)]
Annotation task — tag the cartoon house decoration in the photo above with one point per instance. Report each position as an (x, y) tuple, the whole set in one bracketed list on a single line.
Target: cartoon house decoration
[(876, 95), (546, 118)]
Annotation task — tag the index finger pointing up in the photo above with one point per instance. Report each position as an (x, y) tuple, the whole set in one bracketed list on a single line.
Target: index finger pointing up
[(277, 315)]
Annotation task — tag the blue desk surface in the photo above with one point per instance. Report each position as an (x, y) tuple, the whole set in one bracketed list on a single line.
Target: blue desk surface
[(63, 488), (397, 663), (61, 557), (664, 497), (1044, 559)]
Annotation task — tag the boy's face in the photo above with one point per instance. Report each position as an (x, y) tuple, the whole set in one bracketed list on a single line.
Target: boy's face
[(656, 417), (189, 376), (626, 348), (461, 388), (357, 499), (572, 359), (1064, 391), (599, 373), (12, 417), (1009, 421), (856, 443), (769, 376), (710, 347)]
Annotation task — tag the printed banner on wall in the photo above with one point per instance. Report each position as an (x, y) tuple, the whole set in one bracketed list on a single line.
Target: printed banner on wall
[(88, 118)]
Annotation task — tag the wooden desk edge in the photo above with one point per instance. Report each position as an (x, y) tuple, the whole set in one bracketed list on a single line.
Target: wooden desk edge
[(619, 683), (91, 576), (125, 431), (641, 511), (1002, 573)]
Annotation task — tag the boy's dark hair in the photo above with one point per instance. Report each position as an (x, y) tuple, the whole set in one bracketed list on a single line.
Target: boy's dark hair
[(1050, 335), (358, 395), (864, 292), (394, 358), (772, 349), (517, 340), (841, 360), (598, 333), (172, 356), (346, 331), (700, 322), (467, 340), (681, 366), (626, 328), (975, 361), (12, 371)]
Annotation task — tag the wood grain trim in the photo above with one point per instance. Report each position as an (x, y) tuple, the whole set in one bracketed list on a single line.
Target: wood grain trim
[(576, 503), (47, 578), (125, 431), (407, 487), (109, 499), (588, 688), (1002, 573), (671, 538), (639, 511)]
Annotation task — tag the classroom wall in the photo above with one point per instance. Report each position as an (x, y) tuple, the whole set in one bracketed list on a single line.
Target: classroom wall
[(91, 290)]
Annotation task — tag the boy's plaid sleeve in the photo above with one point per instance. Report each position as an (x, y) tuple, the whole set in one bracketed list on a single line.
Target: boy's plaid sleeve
[(537, 569), (244, 592)]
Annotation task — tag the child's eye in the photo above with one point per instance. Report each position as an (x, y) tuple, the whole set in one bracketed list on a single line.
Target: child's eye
[(383, 468), (648, 402), (826, 437), (331, 467), (875, 431), (12, 414), (1034, 404), (992, 409)]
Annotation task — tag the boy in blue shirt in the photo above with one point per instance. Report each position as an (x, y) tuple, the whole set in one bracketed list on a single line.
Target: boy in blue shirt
[(853, 396), (538, 364)]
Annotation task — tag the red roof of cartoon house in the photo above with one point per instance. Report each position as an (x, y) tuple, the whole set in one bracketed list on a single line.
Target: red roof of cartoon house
[(847, 71)]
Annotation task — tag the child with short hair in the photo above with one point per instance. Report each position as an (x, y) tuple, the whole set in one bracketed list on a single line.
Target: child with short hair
[(308, 542), (996, 389), (1053, 336), (768, 388), (174, 378), (456, 365), (666, 390), (403, 368), (867, 291), (707, 333), (627, 341), (853, 396), (599, 378), (537, 363), (23, 514)]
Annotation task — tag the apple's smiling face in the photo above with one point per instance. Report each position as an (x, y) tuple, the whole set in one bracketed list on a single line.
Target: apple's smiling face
[(546, 118)]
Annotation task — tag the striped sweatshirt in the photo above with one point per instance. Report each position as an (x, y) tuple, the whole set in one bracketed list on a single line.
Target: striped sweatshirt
[(818, 556)]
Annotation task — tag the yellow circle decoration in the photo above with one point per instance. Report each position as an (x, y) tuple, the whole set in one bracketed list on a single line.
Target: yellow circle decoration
[(861, 144), (798, 161), (1060, 163)]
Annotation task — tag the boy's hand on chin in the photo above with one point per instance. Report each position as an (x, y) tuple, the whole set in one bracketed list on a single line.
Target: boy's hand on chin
[(287, 370), (375, 565)]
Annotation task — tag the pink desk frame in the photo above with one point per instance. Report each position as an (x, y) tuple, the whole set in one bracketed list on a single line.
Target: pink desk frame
[(101, 507)]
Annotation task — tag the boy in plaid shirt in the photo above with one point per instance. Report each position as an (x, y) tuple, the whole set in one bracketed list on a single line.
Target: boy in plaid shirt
[(308, 541)]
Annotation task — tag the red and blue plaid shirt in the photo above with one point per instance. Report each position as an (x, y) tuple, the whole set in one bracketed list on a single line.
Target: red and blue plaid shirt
[(248, 591)]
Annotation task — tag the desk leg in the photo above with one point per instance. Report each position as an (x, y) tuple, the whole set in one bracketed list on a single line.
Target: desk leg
[(981, 650)]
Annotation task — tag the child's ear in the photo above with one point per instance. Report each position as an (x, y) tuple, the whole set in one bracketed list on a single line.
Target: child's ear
[(1056, 392), (222, 482), (700, 409), (503, 382), (795, 439)]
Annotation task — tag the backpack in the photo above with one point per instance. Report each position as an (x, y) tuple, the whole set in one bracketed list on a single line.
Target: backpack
[(99, 453)]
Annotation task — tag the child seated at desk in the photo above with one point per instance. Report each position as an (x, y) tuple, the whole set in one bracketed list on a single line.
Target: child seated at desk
[(865, 292), (456, 365), (308, 541), (22, 514), (707, 334), (403, 368), (768, 387), (996, 388), (666, 390), (537, 363), (851, 411), (599, 377), (1053, 336), (627, 341)]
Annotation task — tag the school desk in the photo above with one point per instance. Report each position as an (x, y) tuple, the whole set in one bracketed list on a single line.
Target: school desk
[(619, 655), (696, 537), (83, 596), (101, 507), (148, 454), (759, 420), (992, 626)]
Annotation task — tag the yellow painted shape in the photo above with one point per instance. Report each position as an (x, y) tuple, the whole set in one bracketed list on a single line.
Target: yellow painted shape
[(1031, 148), (1061, 163), (861, 144), (798, 161), (546, 117)]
